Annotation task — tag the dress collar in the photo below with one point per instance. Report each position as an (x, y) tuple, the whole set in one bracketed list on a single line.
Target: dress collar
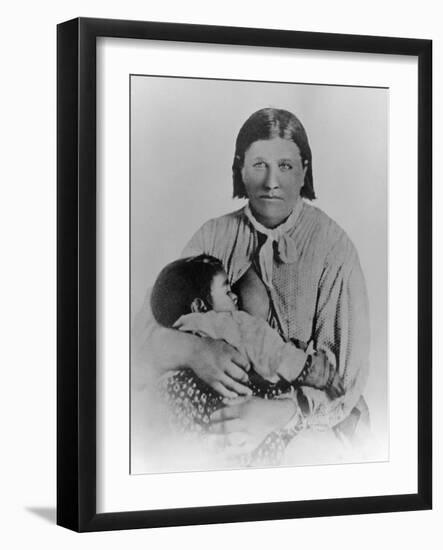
[(285, 250)]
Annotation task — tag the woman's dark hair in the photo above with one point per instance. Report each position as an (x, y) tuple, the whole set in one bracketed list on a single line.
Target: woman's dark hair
[(266, 124), (179, 283)]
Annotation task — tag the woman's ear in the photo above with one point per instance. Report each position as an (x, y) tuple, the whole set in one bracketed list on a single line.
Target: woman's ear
[(198, 306), (242, 175)]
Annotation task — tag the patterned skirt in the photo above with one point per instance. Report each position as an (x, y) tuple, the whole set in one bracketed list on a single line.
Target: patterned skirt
[(191, 402)]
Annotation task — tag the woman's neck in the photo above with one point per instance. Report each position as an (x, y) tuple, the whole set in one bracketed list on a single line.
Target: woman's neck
[(269, 222)]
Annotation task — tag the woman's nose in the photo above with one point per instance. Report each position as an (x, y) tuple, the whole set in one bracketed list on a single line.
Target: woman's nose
[(271, 181), (234, 297)]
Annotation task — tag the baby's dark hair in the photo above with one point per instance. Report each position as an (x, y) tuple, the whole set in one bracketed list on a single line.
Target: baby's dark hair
[(179, 284)]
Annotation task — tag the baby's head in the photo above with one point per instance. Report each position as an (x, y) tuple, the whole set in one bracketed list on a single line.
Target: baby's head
[(191, 285)]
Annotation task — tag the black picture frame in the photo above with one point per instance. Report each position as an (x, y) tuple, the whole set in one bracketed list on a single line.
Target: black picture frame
[(76, 274)]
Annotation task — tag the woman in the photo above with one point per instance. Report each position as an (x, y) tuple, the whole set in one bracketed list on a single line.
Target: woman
[(290, 264)]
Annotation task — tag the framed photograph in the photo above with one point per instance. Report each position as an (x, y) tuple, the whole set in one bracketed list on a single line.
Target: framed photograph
[(244, 274)]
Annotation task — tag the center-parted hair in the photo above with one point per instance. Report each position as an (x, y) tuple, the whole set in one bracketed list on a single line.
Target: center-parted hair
[(267, 124), (179, 283)]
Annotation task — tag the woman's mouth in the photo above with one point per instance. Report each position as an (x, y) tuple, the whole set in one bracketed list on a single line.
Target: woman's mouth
[(270, 198)]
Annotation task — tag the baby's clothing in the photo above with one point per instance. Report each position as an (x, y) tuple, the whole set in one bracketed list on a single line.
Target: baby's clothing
[(269, 355)]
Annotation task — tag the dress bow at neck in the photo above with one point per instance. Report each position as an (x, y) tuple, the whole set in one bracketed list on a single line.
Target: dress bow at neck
[(284, 247)]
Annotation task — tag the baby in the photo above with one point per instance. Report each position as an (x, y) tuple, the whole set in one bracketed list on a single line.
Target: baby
[(194, 295)]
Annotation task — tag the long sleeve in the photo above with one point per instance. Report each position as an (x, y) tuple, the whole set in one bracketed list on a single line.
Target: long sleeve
[(341, 331)]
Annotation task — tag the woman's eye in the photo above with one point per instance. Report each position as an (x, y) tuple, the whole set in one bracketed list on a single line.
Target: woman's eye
[(285, 166), (259, 164)]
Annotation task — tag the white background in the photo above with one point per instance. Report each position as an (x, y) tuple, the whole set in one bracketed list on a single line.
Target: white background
[(28, 275)]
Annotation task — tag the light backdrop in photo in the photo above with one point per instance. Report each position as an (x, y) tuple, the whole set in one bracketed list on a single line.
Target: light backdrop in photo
[(183, 133)]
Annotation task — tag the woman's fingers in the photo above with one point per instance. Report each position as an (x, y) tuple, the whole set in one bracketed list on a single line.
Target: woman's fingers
[(226, 413), (228, 426), (222, 390), (231, 384), (239, 360), (236, 401), (236, 372), (229, 388)]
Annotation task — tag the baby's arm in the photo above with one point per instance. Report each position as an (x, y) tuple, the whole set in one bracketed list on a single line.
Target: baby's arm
[(275, 358), (271, 357)]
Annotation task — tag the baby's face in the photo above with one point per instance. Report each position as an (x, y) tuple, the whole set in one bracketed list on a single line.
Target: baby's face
[(223, 299)]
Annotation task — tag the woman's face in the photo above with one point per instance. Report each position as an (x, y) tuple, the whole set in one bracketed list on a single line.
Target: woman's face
[(273, 175)]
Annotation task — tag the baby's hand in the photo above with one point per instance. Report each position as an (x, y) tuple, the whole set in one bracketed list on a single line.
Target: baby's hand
[(335, 387), (321, 374)]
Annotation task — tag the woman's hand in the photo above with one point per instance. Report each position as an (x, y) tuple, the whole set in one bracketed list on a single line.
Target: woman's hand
[(217, 363), (221, 366), (247, 422)]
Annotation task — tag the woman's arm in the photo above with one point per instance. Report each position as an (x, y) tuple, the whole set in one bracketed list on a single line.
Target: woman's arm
[(159, 349), (341, 333)]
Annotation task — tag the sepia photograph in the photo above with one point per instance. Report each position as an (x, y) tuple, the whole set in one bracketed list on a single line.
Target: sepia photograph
[(258, 274)]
